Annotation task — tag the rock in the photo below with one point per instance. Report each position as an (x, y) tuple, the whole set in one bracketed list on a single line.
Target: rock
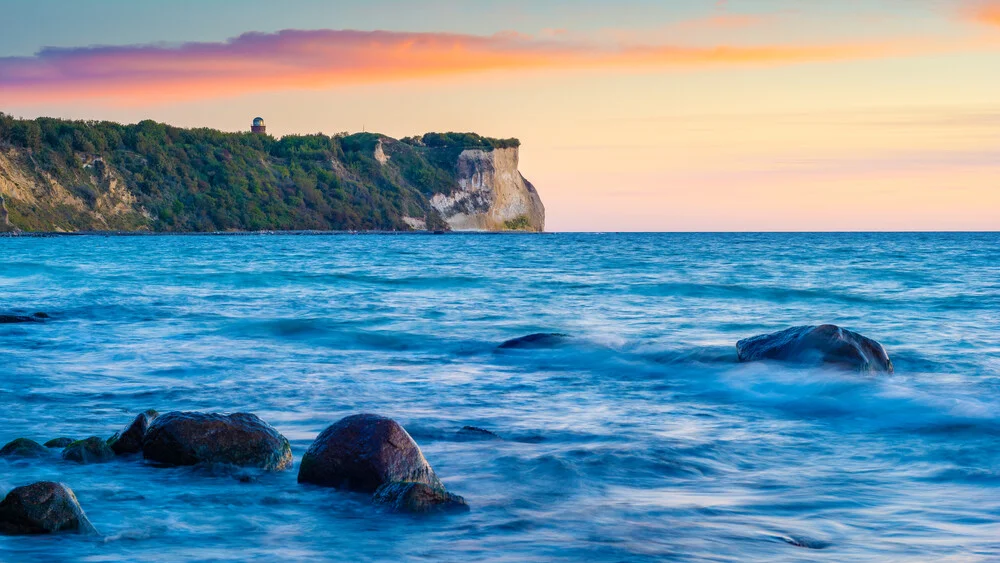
[(380, 155), (17, 319), (22, 447), (361, 453), (241, 439), (129, 441), (469, 433), (91, 450), (42, 508), (418, 498), (805, 542), (535, 341), (825, 344), (59, 442)]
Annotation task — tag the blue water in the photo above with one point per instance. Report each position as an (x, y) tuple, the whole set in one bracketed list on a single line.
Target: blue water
[(643, 440)]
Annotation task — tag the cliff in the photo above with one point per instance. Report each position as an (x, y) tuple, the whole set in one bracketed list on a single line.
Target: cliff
[(493, 194), (58, 175)]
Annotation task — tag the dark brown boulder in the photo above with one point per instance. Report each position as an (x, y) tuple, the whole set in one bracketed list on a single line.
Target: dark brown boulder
[(22, 447), (129, 441), (42, 508), (819, 345), (361, 453), (91, 450), (241, 439), (418, 498)]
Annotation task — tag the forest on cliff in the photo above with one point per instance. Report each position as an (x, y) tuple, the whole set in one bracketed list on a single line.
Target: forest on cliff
[(96, 175)]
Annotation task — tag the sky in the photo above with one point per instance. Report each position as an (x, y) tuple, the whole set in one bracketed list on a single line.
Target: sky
[(633, 115)]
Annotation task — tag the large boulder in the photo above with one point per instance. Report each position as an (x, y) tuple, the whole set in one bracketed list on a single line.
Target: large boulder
[(91, 450), (363, 452), (129, 440), (824, 344), (535, 341), (22, 447), (42, 508), (241, 439), (417, 498)]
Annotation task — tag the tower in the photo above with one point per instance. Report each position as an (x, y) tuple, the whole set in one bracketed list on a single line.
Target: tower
[(258, 126)]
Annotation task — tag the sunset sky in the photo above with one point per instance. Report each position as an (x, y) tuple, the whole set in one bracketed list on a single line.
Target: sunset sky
[(633, 114)]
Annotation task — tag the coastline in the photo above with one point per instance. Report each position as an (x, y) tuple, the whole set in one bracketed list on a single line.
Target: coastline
[(54, 234)]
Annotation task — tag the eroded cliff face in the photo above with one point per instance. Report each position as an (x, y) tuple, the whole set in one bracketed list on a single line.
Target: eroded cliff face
[(493, 195), (95, 198), (5, 225)]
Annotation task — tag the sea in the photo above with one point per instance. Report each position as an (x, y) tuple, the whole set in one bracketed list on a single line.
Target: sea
[(641, 438)]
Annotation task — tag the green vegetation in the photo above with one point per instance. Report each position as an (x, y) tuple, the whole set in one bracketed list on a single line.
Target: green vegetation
[(463, 141), (519, 223), (208, 180)]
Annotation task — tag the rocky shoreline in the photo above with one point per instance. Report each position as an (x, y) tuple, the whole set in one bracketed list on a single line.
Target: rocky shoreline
[(362, 453)]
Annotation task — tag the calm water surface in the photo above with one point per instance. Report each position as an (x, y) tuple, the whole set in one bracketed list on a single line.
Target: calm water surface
[(644, 440)]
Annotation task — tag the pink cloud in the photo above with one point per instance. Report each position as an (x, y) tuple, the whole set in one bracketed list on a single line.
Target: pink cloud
[(297, 59)]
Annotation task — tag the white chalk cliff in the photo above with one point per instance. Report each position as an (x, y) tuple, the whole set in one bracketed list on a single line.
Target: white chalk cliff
[(492, 195)]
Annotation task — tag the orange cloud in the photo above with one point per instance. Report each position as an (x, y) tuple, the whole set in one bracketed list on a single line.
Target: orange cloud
[(297, 59), (986, 12)]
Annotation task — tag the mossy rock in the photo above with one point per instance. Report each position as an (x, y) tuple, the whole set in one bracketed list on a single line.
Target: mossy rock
[(59, 442), (91, 450), (22, 447), (42, 508)]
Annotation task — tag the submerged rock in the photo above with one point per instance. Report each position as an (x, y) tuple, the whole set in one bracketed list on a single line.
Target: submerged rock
[(470, 433), (17, 319), (42, 508), (91, 450), (535, 341), (802, 541), (241, 439), (59, 442), (363, 452), (418, 498), (22, 447), (824, 344), (129, 441)]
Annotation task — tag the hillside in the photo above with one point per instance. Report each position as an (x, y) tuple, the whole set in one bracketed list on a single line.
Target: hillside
[(58, 175)]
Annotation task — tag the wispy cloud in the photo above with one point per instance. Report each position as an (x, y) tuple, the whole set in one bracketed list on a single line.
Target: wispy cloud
[(298, 59), (723, 22)]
